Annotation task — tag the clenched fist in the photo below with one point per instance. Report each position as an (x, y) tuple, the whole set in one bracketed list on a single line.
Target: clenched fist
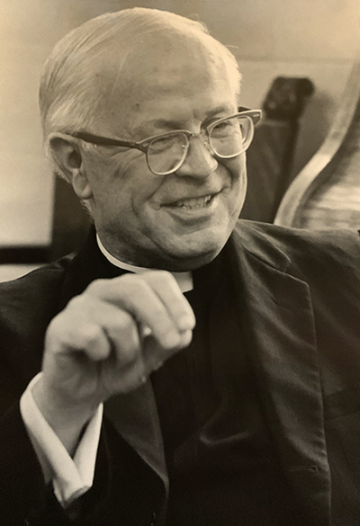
[(106, 341)]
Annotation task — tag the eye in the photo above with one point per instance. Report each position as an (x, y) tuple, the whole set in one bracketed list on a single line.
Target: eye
[(164, 143), (225, 128)]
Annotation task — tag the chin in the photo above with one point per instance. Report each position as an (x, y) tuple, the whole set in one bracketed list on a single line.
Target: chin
[(185, 264), (182, 259)]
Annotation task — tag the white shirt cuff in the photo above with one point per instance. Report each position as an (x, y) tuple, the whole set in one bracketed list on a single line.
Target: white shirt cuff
[(71, 478)]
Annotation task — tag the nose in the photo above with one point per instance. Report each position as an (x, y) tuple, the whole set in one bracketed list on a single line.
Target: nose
[(199, 161)]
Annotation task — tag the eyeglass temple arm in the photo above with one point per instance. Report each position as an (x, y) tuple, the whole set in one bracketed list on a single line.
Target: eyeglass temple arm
[(97, 139), (255, 115)]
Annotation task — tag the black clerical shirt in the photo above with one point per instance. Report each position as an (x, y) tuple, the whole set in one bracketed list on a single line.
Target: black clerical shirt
[(222, 465)]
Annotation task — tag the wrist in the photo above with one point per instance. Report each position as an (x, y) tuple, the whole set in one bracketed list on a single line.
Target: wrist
[(66, 417)]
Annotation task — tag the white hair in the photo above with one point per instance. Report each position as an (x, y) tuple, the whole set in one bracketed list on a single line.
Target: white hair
[(71, 92)]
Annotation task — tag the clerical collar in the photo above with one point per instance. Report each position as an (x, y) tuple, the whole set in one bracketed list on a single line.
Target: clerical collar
[(184, 279)]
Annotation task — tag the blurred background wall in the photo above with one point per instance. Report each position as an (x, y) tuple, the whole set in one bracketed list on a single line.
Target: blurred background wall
[(313, 38)]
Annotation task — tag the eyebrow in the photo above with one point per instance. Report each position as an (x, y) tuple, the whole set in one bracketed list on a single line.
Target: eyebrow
[(174, 124)]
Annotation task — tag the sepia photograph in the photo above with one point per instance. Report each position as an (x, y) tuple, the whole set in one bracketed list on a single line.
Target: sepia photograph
[(180, 263)]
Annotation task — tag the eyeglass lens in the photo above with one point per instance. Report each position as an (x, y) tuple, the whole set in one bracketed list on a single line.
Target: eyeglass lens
[(228, 138), (167, 153)]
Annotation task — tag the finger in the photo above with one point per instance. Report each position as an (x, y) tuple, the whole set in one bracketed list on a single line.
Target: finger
[(101, 332), (125, 369), (155, 356), (136, 352), (122, 331), (77, 333), (134, 295), (167, 289), (125, 366)]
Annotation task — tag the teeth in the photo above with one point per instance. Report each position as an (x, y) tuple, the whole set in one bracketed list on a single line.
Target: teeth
[(195, 202)]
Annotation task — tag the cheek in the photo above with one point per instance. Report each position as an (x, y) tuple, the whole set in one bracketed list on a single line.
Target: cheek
[(140, 190), (237, 171), (123, 180), (134, 196), (236, 167), (241, 192)]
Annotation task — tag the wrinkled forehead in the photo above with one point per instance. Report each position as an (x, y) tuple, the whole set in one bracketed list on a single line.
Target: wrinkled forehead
[(164, 62), (186, 47)]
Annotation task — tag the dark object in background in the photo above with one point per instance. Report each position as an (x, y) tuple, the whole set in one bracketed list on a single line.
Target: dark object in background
[(287, 98), (70, 220), (270, 155)]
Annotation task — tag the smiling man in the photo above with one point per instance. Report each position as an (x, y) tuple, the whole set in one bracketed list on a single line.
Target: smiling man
[(178, 204), (184, 368)]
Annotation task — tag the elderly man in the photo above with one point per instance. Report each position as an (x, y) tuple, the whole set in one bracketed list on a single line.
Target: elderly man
[(224, 355)]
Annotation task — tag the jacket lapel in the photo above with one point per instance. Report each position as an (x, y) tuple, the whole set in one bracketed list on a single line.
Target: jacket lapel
[(134, 415), (281, 340)]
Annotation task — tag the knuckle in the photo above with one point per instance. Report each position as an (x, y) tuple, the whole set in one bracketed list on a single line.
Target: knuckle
[(132, 284), (90, 335), (59, 326), (53, 332), (121, 328), (96, 287), (128, 355), (173, 340), (129, 279), (124, 278), (169, 339), (123, 323), (76, 303), (123, 334), (185, 338), (161, 276)]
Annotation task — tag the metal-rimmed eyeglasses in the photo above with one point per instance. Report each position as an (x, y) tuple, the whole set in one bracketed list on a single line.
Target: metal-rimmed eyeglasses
[(225, 138)]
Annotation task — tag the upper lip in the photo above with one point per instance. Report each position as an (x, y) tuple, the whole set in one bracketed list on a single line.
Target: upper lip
[(184, 198)]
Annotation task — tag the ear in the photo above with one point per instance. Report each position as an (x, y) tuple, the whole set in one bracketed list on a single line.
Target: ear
[(67, 156)]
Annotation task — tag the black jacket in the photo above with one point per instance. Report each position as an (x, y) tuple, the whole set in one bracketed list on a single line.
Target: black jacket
[(301, 290)]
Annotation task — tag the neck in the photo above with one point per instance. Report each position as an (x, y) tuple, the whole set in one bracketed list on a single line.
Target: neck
[(184, 279)]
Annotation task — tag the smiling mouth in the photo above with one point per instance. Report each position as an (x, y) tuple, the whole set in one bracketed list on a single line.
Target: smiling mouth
[(193, 203)]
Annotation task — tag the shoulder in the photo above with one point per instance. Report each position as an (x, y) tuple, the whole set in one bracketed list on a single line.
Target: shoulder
[(328, 263), (33, 296), (27, 305), (301, 246), (36, 282)]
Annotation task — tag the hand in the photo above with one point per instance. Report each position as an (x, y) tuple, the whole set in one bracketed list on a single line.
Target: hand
[(108, 340)]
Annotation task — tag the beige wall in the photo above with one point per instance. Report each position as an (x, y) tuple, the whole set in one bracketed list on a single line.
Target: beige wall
[(315, 38)]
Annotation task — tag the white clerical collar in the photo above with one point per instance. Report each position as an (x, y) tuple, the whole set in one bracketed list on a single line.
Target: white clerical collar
[(184, 279)]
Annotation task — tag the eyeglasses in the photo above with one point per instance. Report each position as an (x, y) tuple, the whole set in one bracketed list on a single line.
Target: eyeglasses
[(225, 138)]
